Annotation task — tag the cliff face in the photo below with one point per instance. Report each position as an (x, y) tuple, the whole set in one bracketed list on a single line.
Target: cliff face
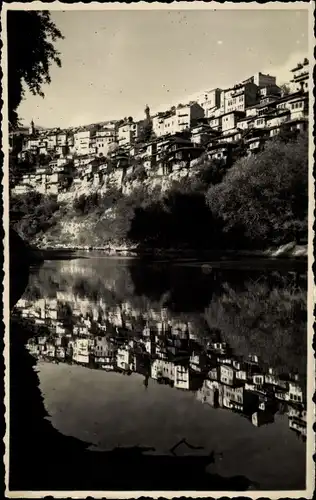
[(93, 230), (124, 180)]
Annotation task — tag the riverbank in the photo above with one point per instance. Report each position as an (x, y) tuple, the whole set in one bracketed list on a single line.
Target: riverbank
[(60, 252)]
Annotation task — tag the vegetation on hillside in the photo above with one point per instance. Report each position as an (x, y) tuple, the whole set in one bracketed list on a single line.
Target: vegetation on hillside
[(266, 196), (250, 202), (33, 213)]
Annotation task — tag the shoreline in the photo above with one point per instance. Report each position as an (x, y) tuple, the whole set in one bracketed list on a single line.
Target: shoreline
[(289, 251)]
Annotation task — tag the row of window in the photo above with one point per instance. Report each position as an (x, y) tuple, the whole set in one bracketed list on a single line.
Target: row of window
[(235, 100), (294, 397), (297, 105)]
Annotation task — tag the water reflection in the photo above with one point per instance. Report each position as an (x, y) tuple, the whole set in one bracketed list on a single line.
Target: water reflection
[(237, 340)]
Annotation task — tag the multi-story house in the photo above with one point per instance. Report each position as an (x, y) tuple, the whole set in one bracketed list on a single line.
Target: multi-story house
[(187, 116), (202, 134), (158, 122), (300, 79), (239, 97), (61, 138), (82, 138), (210, 101), (128, 132), (170, 124), (275, 122), (71, 143), (51, 141), (229, 121), (32, 143), (270, 92), (103, 140), (298, 106), (216, 123), (178, 119)]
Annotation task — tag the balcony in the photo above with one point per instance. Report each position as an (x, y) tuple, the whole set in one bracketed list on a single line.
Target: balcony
[(238, 93), (301, 76)]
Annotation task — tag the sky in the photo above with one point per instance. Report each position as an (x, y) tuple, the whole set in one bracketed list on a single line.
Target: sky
[(115, 62)]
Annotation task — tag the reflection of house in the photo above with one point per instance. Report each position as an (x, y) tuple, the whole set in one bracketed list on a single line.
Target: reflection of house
[(298, 425), (181, 377), (213, 374), (209, 393), (161, 368), (49, 350), (295, 393), (298, 421), (81, 351), (233, 397), (104, 353), (227, 374), (124, 358), (197, 362), (166, 349)]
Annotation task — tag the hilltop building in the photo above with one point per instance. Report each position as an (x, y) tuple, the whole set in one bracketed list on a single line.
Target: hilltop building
[(250, 112)]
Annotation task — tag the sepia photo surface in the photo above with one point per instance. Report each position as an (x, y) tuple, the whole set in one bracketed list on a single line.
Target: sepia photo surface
[(158, 211)]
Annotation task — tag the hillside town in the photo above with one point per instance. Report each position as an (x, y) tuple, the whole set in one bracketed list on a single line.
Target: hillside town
[(252, 111), (168, 350)]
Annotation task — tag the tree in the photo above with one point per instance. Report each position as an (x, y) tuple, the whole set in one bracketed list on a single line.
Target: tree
[(266, 197), (285, 89), (31, 52), (146, 133)]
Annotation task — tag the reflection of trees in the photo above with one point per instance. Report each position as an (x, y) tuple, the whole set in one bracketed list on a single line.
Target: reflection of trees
[(253, 312), (270, 321)]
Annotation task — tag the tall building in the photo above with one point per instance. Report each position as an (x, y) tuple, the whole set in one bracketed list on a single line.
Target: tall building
[(147, 113), (32, 128)]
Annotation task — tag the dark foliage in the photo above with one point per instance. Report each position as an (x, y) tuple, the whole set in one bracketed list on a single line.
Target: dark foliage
[(31, 37), (266, 195), (34, 213), (96, 203)]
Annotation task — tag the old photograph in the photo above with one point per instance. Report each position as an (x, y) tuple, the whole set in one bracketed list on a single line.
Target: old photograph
[(158, 206)]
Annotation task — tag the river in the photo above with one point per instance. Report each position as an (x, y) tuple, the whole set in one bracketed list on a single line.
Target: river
[(209, 356)]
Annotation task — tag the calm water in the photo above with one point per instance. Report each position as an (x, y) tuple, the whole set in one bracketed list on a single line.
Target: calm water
[(134, 354)]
